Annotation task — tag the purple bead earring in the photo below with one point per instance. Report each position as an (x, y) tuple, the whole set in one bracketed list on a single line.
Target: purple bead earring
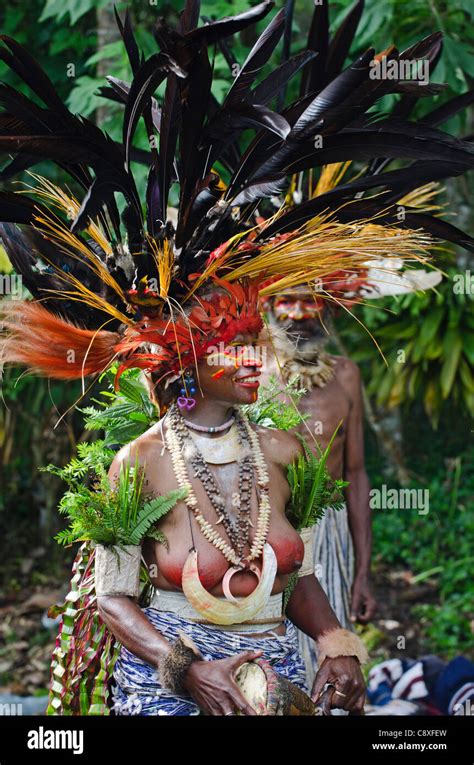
[(186, 400)]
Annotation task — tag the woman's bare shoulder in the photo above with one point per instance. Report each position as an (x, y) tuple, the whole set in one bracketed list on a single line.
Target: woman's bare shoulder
[(138, 451), (281, 446)]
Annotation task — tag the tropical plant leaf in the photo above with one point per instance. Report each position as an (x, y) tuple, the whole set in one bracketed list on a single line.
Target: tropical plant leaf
[(151, 513), (313, 490), (453, 348)]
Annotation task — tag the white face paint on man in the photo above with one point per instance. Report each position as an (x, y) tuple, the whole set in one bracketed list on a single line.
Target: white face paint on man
[(301, 316)]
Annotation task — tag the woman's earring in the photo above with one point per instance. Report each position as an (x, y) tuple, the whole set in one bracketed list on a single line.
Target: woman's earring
[(186, 400)]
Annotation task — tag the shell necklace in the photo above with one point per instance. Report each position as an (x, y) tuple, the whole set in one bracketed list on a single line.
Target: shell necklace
[(214, 609), (308, 373)]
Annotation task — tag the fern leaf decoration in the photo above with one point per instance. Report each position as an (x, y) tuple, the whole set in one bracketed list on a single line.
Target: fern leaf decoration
[(152, 511), (313, 490)]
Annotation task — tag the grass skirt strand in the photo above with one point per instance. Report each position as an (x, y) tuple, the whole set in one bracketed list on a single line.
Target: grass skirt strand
[(136, 687)]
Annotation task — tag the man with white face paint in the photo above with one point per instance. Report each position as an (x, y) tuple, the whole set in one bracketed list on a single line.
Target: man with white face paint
[(342, 539)]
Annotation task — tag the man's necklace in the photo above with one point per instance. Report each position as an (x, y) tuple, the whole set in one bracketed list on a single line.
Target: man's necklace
[(309, 373)]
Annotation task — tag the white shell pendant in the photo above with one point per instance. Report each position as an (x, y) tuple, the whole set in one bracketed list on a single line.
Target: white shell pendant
[(220, 611)]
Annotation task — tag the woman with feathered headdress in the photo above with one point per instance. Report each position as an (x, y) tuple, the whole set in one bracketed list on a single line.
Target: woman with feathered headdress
[(182, 302)]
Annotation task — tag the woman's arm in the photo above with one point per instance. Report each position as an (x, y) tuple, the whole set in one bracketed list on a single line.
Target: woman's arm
[(309, 609), (210, 683), (121, 614), (128, 623)]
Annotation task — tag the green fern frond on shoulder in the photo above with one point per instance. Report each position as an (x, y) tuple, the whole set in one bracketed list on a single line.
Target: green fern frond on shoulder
[(158, 536), (152, 512), (119, 515), (97, 511), (313, 490)]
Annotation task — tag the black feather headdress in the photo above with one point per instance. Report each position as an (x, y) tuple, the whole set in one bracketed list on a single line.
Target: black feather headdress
[(113, 271)]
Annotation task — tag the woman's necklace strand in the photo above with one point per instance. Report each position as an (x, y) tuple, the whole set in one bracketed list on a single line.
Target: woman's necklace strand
[(238, 533), (175, 437), (214, 429)]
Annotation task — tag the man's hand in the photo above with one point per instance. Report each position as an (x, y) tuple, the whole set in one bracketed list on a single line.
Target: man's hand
[(363, 603), (344, 674)]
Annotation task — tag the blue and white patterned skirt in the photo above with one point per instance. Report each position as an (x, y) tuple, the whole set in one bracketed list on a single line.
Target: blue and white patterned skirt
[(136, 687)]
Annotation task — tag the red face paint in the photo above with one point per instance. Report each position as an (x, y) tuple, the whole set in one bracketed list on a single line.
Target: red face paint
[(218, 374)]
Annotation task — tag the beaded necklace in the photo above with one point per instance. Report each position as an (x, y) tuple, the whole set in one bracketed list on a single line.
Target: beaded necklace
[(215, 429), (177, 438)]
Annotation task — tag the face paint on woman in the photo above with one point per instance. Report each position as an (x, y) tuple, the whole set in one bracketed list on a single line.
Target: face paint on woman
[(236, 379)]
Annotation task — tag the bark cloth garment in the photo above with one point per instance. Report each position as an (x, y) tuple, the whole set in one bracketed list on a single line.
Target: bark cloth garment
[(136, 688)]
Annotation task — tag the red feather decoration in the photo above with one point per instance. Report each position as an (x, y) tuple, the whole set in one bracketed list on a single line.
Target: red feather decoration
[(50, 346)]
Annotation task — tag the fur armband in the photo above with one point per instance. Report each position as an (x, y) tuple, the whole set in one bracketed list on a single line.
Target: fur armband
[(340, 642), (307, 567), (117, 570), (172, 668)]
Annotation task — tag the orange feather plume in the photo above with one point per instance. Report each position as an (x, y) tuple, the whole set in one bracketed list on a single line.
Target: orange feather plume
[(50, 346)]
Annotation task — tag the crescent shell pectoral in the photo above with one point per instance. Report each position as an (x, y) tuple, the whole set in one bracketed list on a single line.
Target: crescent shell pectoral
[(218, 610)]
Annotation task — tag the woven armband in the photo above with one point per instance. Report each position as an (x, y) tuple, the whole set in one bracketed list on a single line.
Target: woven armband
[(307, 567), (117, 570)]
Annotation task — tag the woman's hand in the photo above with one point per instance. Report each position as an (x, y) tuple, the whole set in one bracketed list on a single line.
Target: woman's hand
[(343, 672), (213, 688)]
